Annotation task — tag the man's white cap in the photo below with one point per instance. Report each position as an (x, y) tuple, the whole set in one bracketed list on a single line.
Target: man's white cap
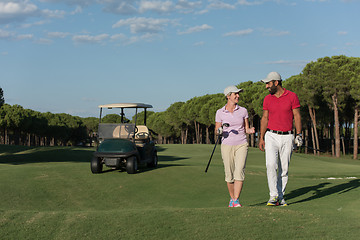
[(231, 89), (273, 76)]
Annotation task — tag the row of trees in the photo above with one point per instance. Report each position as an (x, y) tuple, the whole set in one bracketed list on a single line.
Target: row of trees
[(19, 126), (328, 90)]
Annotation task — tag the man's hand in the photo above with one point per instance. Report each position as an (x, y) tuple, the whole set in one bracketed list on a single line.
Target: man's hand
[(298, 140), (262, 144)]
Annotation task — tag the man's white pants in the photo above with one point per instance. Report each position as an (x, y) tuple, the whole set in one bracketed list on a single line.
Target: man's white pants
[(278, 147)]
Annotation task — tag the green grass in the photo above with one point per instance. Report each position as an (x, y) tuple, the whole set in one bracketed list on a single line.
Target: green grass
[(50, 193)]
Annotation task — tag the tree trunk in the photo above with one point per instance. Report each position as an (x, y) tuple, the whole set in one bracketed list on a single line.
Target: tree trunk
[(186, 135), (356, 124), (313, 139), (207, 135), (196, 132), (306, 140), (6, 137), (314, 126), (29, 139), (182, 134), (337, 127)]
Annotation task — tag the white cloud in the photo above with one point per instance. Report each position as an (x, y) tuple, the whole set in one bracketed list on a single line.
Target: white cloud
[(202, 11), (239, 33), (54, 13), (117, 37), (28, 25), (75, 2), (16, 11), (200, 28), (294, 63), (58, 34), (216, 4), (25, 36), (135, 39), (342, 32), (5, 34), (199, 43), (44, 41), (125, 7), (249, 3), (122, 38), (90, 39), (184, 4), (274, 33), (78, 9), (156, 6), (144, 25)]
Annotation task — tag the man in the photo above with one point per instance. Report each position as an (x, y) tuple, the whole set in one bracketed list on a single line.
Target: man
[(280, 108)]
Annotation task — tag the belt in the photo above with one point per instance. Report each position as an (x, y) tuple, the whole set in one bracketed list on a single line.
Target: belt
[(280, 132)]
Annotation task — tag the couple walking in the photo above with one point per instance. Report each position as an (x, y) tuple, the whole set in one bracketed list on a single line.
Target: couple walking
[(280, 108)]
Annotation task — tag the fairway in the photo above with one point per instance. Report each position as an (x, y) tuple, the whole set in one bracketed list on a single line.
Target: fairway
[(50, 193)]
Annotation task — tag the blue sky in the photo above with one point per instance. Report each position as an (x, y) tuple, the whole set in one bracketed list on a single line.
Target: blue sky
[(70, 56)]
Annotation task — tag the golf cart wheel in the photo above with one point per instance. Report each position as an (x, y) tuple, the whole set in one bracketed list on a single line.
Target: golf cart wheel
[(154, 161), (131, 165), (96, 165)]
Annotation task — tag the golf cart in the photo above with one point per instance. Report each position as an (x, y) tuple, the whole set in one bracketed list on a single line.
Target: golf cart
[(124, 145)]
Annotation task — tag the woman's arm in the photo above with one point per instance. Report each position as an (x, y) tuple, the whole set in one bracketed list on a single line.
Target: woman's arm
[(247, 128), (217, 126)]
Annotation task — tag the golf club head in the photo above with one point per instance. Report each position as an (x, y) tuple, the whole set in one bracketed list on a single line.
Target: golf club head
[(226, 125)]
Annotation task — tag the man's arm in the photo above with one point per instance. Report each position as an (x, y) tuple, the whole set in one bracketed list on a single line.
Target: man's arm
[(263, 127), (297, 119)]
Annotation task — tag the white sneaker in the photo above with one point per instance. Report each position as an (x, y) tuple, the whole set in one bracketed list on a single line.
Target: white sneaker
[(282, 203)]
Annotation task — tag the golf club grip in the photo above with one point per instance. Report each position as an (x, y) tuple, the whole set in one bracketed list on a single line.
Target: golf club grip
[(217, 140)]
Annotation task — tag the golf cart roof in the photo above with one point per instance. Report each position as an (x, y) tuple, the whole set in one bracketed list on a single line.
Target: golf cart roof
[(126, 105)]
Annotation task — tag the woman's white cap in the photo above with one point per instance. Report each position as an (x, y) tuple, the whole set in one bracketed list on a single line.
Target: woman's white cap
[(232, 89)]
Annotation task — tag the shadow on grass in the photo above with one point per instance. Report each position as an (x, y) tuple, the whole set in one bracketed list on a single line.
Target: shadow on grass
[(160, 149), (45, 154), (319, 191), (17, 155), (161, 164)]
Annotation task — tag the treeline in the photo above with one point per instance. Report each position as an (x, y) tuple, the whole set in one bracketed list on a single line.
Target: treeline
[(329, 93), (19, 126), (328, 89)]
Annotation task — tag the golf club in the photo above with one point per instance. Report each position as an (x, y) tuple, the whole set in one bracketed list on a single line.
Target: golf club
[(314, 149), (217, 140)]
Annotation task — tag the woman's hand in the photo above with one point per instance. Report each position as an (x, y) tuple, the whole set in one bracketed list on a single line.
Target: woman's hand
[(250, 130)]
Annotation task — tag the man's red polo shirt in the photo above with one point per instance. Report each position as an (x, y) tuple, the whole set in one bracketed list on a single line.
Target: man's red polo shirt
[(280, 110)]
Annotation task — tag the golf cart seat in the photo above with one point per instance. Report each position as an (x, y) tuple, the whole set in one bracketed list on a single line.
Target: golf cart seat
[(116, 130), (124, 131), (142, 136)]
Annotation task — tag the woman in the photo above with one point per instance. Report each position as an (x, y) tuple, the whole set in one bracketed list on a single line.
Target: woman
[(234, 146)]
